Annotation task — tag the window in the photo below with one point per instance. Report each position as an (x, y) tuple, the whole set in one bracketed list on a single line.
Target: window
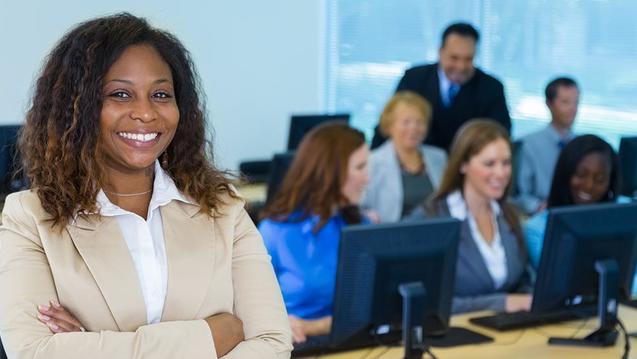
[(523, 43)]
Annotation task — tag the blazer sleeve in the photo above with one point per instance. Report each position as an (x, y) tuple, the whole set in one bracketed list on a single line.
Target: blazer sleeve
[(498, 109), (26, 281), (257, 297)]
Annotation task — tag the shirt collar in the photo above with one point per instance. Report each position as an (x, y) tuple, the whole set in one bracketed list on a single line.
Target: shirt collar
[(556, 137), (445, 83), (458, 207), (164, 191)]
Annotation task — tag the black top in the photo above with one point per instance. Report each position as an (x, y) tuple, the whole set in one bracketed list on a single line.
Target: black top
[(482, 96), (416, 188)]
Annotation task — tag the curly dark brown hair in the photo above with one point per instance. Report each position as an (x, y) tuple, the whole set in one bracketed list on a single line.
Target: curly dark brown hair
[(58, 143)]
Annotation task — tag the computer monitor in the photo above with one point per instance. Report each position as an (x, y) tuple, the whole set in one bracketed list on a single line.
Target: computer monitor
[(588, 257), (628, 164), (576, 237), (374, 260), (300, 125), (9, 161), (278, 169)]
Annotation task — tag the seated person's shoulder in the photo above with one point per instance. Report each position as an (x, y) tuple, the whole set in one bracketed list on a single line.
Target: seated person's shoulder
[(537, 221), (531, 141), (421, 70), (435, 152)]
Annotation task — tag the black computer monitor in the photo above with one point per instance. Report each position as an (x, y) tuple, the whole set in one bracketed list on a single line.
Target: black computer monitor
[(588, 257), (576, 237), (628, 164), (278, 169), (9, 160), (300, 125), (374, 260)]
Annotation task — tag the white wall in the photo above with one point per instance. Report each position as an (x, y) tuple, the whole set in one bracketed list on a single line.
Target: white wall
[(259, 60)]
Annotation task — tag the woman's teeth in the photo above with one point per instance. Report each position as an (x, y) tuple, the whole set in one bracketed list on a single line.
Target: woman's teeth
[(142, 137)]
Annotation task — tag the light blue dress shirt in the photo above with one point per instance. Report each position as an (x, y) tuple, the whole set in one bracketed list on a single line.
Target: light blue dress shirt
[(539, 153)]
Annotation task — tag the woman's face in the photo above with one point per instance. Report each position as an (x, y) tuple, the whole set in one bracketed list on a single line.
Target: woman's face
[(591, 179), (139, 113), (408, 128), (488, 172), (357, 175)]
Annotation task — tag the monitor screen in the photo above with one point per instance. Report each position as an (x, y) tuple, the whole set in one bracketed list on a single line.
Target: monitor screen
[(628, 164), (300, 125), (576, 237), (374, 260), (9, 161), (278, 169)]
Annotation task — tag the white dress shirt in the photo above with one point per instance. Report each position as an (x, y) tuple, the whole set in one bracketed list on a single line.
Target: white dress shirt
[(492, 253), (145, 240)]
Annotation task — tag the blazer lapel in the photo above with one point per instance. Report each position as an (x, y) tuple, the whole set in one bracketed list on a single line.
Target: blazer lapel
[(435, 87), (470, 254), (468, 251), (509, 243), (189, 237), (102, 247)]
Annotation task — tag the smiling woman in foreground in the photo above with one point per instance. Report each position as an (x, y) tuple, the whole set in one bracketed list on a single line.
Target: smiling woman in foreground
[(129, 244)]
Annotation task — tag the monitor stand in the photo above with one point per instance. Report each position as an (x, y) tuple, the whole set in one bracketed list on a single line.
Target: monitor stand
[(413, 294), (606, 334)]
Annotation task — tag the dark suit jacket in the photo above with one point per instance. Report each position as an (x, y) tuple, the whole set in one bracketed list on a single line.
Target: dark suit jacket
[(482, 96), (474, 289)]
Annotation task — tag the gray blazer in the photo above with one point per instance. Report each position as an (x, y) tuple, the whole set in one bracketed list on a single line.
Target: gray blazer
[(474, 289), (384, 194)]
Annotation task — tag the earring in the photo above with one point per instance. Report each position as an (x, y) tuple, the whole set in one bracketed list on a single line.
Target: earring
[(164, 160)]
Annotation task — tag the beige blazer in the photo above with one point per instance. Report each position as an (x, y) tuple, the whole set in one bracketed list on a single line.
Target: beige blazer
[(214, 265)]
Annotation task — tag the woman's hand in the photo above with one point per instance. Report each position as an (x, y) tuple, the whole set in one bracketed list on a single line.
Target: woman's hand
[(518, 302), (227, 332), (302, 328), (58, 319)]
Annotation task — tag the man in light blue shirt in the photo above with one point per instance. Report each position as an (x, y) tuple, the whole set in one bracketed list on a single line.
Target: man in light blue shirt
[(541, 149)]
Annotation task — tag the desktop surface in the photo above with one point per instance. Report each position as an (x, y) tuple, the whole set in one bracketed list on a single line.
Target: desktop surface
[(524, 343)]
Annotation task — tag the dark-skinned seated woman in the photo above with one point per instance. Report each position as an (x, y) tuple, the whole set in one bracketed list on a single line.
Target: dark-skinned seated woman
[(318, 197), (130, 243)]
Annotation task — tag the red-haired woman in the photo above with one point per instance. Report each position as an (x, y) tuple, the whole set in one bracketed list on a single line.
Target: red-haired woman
[(319, 195)]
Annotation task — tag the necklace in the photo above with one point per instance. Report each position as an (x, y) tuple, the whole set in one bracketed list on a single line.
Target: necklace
[(128, 194)]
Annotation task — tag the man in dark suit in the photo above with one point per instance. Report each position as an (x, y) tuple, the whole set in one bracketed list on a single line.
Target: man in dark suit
[(456, 89)]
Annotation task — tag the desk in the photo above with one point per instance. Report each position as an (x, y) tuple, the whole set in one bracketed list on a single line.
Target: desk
[(526, 343), (254, 195), (254, 192)]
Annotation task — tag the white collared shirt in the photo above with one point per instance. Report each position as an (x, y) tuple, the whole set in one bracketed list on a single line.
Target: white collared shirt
[(145, 240), (492, 253)]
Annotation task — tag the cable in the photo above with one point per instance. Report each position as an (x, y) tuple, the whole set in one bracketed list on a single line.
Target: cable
[(511, 342), (382, 353), (626, 339), (576, 331), (368, 352), (431, 354)]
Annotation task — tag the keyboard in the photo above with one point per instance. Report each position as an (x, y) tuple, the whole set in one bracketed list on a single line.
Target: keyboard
[(520, 320), (315, 345)]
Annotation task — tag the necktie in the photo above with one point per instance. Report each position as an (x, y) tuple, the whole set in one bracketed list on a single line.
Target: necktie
[(451, 93), (561, 144)]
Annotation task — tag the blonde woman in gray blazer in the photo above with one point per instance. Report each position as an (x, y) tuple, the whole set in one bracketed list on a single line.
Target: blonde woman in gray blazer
[(403, 171)]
